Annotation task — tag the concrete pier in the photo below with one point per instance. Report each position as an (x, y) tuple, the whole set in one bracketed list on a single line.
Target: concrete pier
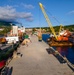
[(35, 60)]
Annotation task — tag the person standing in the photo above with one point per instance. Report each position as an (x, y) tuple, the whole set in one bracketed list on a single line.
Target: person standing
[(39, 36)]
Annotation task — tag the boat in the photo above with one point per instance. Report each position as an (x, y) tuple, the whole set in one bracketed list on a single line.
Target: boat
[(71, 38), (9, 44), (6, 52), (60, 39), (66, 38), (61, 44)]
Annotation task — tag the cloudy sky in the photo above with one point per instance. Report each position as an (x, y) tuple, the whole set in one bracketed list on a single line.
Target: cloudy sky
[(29, 14)]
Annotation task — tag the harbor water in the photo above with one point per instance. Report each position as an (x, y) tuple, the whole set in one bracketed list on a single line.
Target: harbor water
[(68, 52)]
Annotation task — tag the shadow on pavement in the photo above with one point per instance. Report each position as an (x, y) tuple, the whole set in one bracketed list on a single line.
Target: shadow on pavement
[(60, 59)]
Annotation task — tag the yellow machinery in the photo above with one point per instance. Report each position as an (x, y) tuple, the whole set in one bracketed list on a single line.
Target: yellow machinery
[(48, 21), (63, 40), (61, 29), (58, 38)]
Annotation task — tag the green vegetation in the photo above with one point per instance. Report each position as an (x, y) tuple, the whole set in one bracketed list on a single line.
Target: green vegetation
[(6, 28), (4, 24), (69, 27), (56, 28)]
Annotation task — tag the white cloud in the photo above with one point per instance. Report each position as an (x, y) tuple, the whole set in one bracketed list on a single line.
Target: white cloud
[(24, 15), (27, 6), (71, 12), (29, 19), (9, 13)]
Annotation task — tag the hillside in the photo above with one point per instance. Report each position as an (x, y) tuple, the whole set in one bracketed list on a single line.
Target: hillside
[(69, 27), (56, 28), (5, 24)]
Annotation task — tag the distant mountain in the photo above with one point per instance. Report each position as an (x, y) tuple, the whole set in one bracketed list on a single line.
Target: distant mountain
[(5, 24), (56, 28), (2, 23)]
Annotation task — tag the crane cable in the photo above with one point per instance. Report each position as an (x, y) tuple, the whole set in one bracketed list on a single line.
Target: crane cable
[(53, 16), (47, 19), (61, 26)]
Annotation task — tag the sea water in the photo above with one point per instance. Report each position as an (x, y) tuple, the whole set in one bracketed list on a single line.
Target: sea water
[(68, 52)]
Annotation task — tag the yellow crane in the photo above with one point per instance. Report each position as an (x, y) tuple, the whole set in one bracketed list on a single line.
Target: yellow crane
[(48, 21)]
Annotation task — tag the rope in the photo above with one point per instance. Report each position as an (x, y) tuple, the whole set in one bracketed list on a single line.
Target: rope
[(53, 17)]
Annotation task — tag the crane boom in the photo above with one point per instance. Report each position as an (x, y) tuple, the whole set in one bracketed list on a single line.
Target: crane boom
[(48, 21)]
